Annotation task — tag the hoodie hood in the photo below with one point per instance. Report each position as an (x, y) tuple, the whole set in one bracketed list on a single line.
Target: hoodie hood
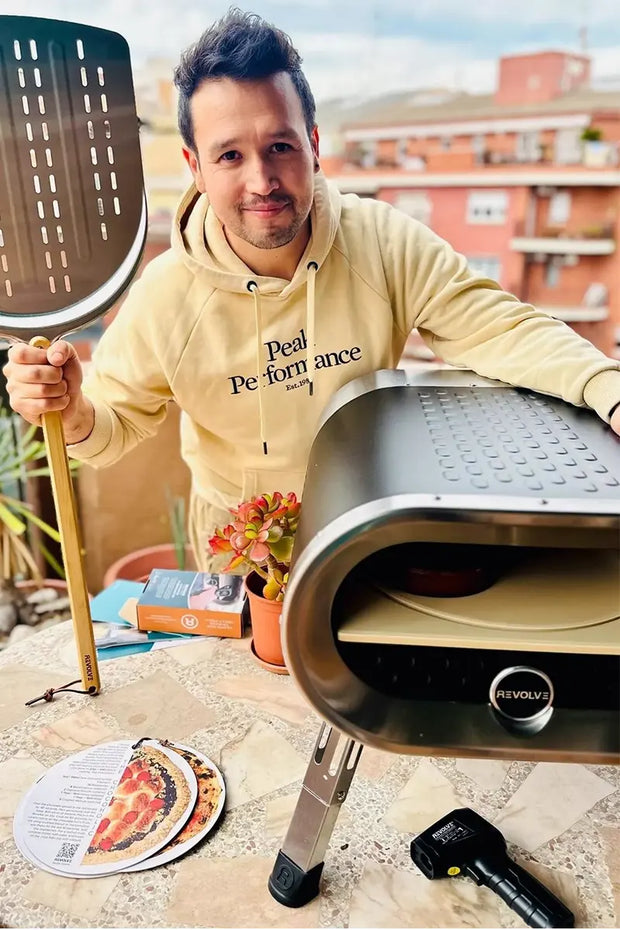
[(198, 238)]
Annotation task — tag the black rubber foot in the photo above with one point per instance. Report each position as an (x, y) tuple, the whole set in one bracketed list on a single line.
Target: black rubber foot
[(290, 885)]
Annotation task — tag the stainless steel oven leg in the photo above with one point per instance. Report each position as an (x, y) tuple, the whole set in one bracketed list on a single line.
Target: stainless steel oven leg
[(295, 878)]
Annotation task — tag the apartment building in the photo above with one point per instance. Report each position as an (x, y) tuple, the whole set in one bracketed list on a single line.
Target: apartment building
[(525, 182)]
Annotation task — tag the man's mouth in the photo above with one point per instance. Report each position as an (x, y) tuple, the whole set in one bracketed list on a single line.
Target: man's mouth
[(267, 210)]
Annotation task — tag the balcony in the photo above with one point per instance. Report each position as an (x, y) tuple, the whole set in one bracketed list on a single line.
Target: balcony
[(597, 239)]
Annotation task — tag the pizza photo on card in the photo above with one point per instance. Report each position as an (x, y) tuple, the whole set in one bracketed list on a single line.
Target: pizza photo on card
[(150, 805), (105, 808), (205, 815)]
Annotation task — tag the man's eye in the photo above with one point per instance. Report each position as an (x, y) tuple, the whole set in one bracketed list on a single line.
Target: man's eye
[(280, 147), (229, 156)]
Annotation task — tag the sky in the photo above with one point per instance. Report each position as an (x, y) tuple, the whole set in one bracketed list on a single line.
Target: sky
[(363, 48)]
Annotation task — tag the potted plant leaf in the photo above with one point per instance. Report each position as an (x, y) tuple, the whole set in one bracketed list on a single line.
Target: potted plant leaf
[(22, 457), (260, 538)]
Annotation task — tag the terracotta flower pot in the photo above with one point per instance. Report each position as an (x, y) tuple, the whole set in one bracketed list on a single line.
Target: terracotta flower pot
[(138, 564), (265, 616)]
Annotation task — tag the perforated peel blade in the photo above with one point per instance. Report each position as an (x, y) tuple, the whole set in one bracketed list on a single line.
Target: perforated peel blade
[(72, 207)]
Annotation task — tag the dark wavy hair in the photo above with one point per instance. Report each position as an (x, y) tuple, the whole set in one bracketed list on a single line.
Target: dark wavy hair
[(245, 47)]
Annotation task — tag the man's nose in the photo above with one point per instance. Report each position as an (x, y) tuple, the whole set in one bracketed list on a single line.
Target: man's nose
[(261, 179)]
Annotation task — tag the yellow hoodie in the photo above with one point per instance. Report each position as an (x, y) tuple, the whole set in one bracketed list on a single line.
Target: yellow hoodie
[(252, 361)]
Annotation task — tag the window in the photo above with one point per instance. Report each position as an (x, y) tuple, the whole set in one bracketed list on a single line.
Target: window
[(478, 147), (567, 147), (446, 143), (416, 204), (487, 207), (489, 266), (552, 272), (478, 143), (559, 208), (368, 154), (528, 146)]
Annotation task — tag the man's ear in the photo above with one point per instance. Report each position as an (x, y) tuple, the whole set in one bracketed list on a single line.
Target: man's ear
[(194, 166), (314, 142)]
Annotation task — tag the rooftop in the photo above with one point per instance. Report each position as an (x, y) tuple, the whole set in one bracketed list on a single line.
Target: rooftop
[(441, 105)]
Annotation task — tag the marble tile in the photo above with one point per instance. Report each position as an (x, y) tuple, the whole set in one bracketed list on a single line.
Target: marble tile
[(67, 652), (17, 775), (19, 684), (75, 732), (79, 898), (242, 898), (203, 650), (488, 774), (374, 764), (611, 846), (561, 884), (387, 897), (553, 797), (279, 813), (427, 796), (260, 762), (156, 706), (238, 645), (274, 694)]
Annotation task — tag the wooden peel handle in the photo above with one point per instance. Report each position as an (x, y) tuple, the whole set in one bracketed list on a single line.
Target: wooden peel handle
[(66, 516)]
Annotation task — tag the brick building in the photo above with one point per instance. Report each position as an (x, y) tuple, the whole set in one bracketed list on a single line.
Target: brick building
[(525, 182)]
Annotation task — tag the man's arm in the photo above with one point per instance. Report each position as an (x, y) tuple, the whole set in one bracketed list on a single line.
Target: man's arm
[(469, 321), (126, 388)]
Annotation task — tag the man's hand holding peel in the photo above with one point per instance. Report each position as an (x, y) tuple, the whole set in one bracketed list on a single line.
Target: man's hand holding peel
[(41, 380)]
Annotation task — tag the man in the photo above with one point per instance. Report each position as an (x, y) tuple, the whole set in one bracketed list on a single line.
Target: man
[(277, 291)]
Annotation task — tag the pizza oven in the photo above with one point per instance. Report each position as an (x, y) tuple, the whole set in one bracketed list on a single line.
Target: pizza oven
[(522, 491), (454, 590)]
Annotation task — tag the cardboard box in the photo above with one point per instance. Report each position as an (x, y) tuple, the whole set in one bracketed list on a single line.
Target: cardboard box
[(192, 602)]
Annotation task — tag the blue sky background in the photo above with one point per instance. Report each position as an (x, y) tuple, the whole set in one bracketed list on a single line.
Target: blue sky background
[(364, 47)]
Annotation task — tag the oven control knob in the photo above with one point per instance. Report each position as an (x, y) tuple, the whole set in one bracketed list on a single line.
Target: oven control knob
[(522, 698)]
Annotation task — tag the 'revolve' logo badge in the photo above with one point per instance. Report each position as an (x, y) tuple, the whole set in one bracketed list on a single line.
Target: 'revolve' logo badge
[(523, 695)]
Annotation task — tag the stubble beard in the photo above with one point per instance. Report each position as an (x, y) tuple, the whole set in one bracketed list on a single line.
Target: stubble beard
[(274, 238)]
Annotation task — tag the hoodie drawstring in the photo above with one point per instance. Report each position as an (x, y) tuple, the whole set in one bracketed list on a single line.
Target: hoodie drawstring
[(253, 288), (312, 270)]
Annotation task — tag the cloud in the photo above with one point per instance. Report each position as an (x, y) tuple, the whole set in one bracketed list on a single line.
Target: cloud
[(366, 47), (363, 65), (343, 65), (567, 12)]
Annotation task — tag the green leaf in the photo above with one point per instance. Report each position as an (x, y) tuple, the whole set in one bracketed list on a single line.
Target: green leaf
[(52, 562), (282, 549), (11, 521), (271, 590), (32, 517), (32, 473), (274, 533)]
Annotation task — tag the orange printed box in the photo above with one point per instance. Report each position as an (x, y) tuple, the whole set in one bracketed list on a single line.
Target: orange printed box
[(203, 603)]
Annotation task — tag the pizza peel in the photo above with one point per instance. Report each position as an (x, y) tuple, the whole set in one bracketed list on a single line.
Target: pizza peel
[(72, 219)]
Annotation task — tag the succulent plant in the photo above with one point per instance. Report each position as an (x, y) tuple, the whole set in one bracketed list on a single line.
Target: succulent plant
[(261, 537)]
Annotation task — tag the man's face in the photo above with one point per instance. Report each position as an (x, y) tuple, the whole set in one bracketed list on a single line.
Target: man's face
[(253, 157)]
